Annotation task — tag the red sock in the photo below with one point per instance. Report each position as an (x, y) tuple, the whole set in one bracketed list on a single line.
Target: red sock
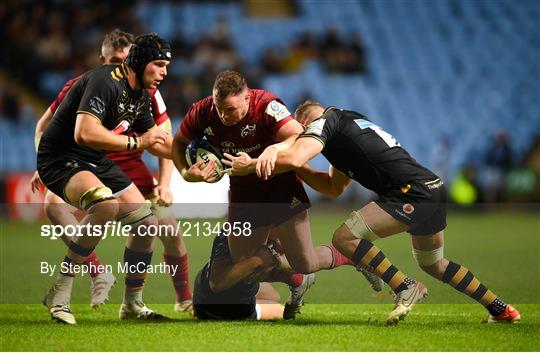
[(94, 265), (293, 280), (180, 279), (338, 259)]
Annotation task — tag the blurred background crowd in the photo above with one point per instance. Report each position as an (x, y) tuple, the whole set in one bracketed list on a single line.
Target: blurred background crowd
[(457, 82)]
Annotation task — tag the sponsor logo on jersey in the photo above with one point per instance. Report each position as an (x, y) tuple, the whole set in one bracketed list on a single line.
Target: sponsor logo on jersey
[(277, 110), (408, 208), (97, 105), (248, 130), (227, 144), (246, 150)]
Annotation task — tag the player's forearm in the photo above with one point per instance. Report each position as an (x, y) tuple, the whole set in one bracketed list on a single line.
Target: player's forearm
[(319, 181), (162, 150), (165, 171), (179, 156), (102, 139), (287, 160)]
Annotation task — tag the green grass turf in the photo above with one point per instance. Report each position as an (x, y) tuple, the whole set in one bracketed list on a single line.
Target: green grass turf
[(501, 249)]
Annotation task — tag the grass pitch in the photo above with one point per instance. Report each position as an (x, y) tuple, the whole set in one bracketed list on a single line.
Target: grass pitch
[(341, 315)]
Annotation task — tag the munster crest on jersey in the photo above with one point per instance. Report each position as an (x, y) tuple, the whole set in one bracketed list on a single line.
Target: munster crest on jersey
[(248, 130)]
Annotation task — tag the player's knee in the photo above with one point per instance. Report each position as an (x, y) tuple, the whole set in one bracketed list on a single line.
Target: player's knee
[(104, 211), (431, 261), (141, 214), (95, 196), (355, 227)]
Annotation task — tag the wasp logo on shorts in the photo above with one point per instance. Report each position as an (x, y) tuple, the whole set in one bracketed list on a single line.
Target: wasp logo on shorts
[(295, 202), (408, 208), (97, 105), (248, 130), (208, 131)]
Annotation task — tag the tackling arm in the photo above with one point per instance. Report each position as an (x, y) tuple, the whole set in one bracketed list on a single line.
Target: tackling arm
[(298, 154), (163, 150), (331, 184), (90, 132)]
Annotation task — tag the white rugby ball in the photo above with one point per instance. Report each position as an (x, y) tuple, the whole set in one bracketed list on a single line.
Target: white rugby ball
[(201, 150)]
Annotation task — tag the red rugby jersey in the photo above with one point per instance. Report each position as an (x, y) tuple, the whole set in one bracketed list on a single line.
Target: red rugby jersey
[(256, 131)]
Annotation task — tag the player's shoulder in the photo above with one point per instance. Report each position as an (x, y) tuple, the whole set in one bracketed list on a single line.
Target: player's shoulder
[(71, 82), (267, 103), (261, 98), (105, 76)]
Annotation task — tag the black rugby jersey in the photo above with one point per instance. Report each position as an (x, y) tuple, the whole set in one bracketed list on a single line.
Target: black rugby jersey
[(365, 152), (104, 93), (241, 293)]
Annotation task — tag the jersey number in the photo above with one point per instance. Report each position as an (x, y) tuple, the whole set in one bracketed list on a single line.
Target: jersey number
[(389, 139)]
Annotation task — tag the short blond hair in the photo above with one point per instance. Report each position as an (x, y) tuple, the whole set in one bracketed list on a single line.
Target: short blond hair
[(117, 40), (305, 106)]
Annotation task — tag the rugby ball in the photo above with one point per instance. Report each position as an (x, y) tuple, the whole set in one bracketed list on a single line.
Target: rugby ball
[(201, 150)]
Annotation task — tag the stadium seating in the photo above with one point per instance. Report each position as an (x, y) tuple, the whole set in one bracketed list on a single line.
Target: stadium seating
[(461, 69)]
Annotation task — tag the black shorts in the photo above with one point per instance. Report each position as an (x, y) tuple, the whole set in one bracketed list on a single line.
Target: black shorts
[(236, 303), (56, 173), (269, 202), (420, 205)]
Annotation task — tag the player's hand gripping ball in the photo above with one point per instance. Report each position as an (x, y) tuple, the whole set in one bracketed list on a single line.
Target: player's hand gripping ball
[(201, 150)]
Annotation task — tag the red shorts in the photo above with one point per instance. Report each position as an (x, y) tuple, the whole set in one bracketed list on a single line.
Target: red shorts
[(138, 172), (267, 202)]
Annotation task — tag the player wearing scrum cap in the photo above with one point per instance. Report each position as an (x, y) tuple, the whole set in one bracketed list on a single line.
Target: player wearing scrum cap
[(411, 198), (71, 162), (114, 50)]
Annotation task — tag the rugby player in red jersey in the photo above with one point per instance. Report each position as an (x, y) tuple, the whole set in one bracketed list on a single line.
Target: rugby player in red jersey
[(237, 119)]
